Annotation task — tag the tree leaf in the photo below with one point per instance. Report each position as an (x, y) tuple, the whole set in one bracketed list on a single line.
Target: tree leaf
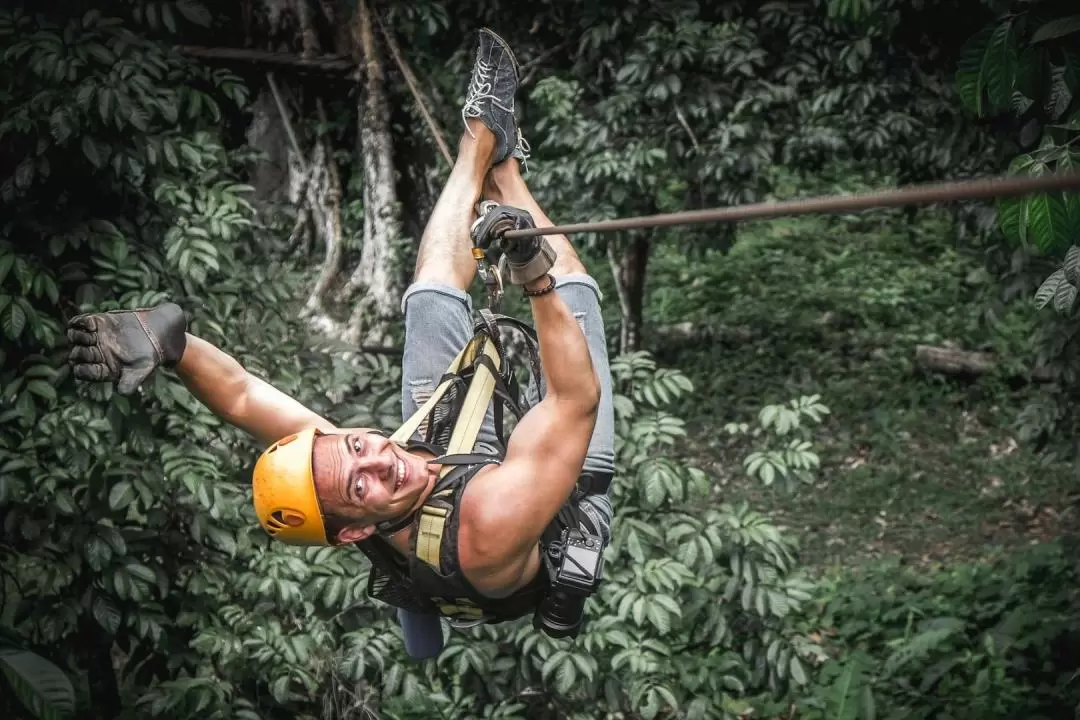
[(1071, 266), (42, 389), (195, 12), (1013, 218), (1059, 27), (999, 65), (106, 614), (14, 320), (1064, 297), (798, 674), (768, 473), (970, 72), (1071, 75), (1049, 288), (121, 495), (39, 685), (90, 150), (1049, 221), (7, 260)]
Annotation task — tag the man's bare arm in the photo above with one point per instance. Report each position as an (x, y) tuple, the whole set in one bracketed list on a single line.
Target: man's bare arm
[(239, 398), (516, 501)]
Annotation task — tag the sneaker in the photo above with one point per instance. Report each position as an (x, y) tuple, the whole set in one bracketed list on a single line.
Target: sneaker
[(490, 97)]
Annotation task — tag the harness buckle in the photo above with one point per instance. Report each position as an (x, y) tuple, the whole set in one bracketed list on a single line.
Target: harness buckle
[(491, 275), (462, 624), (493, 281)]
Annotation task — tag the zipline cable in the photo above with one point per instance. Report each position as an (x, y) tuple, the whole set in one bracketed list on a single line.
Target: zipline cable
[(980, 189)]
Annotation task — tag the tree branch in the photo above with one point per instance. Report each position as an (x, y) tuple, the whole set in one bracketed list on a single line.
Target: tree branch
[(620, 291), (332, 64), (532, 65), (410, 80), (307, 29), (309, 191), (686, 126)]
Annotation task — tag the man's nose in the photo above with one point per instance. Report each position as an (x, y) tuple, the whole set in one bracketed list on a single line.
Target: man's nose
[(374, 464)]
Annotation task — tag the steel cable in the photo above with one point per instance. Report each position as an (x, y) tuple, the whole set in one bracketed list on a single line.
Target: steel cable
[(981, 189)]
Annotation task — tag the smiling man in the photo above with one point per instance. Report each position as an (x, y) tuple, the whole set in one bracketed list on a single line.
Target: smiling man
[(490, 533), (362, 479)]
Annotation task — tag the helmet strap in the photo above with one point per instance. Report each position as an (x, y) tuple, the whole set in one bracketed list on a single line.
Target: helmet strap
[(394, 525)]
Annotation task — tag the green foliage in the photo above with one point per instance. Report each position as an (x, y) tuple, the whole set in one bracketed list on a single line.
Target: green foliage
[(992, 640), (790, 459), (681, 105), (918, 462), (1027, 64), (1023, 71), (131, 558), (127, 519)]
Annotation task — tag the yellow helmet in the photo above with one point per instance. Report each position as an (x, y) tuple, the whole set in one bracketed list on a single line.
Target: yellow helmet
[(283, 486)]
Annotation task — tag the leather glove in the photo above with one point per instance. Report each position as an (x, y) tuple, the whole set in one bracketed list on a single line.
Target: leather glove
[(528, 258), (124, 346)]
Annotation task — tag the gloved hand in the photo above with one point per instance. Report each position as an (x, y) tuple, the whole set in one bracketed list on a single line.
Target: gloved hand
[(528, 258), (124, 346)]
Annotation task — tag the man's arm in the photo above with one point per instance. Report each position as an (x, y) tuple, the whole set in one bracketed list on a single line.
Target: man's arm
[(125, 346), (239, 398), (512, 504)]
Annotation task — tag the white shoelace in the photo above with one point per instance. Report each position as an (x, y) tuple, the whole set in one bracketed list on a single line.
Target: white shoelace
[(480, 90), (524, 150)]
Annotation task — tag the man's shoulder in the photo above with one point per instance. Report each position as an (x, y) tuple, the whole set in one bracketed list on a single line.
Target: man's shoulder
[(484, 514), (492, 553)]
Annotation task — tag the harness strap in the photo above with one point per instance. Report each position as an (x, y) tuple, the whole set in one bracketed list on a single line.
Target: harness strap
[(432, 525), (410, 426), (474, 405), (465, 459), (484, 354)]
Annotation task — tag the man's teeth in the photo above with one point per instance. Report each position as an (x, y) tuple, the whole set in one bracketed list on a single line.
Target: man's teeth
[(400, 473)]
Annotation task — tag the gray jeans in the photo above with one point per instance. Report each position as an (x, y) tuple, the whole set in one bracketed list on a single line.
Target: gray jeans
[(438, 324)]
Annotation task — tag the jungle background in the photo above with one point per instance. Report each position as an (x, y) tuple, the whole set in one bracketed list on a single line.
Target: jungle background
[(847, 457)]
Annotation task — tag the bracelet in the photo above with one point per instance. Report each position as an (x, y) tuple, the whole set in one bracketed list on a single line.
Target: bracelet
[(542, 291)]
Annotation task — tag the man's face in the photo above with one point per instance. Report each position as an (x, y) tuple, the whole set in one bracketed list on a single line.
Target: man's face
[(366, 478)]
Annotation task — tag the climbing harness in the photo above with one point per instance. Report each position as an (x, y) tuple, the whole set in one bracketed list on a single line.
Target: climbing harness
[(481, 376)]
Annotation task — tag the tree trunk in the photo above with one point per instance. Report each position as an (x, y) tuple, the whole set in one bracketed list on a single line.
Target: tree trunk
[(326, 186), (629, 270), (966, 363), (308, 37), (269, 176), (280, 178), (953, 361), (375, 279)]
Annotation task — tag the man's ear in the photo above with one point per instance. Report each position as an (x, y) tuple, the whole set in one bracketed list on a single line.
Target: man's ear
[(355, 533)]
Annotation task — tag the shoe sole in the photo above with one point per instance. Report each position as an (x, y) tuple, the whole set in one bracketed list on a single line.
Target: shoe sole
[(506, 46)]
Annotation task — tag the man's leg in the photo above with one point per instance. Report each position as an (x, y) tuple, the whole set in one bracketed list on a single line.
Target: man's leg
[(437, 307), (579, 290)]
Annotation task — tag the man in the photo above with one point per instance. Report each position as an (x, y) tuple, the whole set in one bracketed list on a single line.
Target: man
[(506, 514)]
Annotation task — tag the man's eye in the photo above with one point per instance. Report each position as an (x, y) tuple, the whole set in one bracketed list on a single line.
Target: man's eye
[(360, 487), (357, 446)]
